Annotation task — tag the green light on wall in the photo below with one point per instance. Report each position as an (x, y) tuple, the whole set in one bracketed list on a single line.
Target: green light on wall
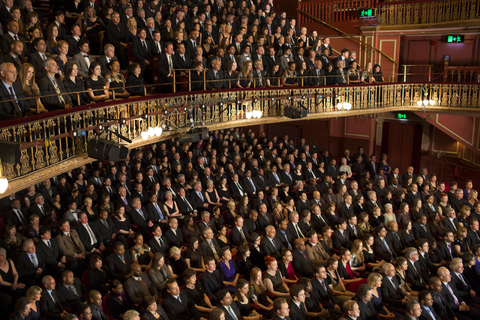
[(366, 13)]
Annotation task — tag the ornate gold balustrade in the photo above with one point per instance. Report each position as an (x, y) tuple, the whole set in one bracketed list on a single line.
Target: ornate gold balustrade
[(49, 146), (416, 13)]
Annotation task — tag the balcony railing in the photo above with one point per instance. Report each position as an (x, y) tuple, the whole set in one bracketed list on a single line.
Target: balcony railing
[(334, 10), (427, 12), (49, 139)]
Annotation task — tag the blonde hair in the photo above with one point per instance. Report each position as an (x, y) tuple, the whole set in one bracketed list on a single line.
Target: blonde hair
[(174, 250), (129, 22), (373, 277), (253, 278), (32, 292)]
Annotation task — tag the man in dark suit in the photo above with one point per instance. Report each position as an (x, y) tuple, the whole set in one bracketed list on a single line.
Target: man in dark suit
[(50, 86), (71, 293), (317, 75), (17, 215), (119, 261), (142, 48), (37, 58), (174, 235), (95, 305), (89, 234), (413, 195), (373, 202), (73, 41), (22, 307), (340, 237), (50, 306), (298, 310), (184, 202), (301, 262), (450, 222), (139, 193), (236, 187), (413, 275), (6, 40), (473, 237), (209, 246), (452, 297), (15, 54), (426, 303), (261, 181), (198, 198), (239, 234), (105, 59), (391, 291), (166, 68), (55, 259), (322, 292), (251, 223), (439, 305), (427, 268), (214, 76), (30, 264), (458, 201), (140, 218), (270, 244), (282, 312), (106, 228), (139, 285), (382, 246), (346, 208), (181, 60), (11, 90), (225, 303), (159, 243), (212, 279), (445, 248), (340, 74), (461, 283), (116, 34), (421, 229), (395, 239), (177, 304)]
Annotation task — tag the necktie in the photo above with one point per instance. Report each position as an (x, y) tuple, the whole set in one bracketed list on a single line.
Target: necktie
[(230, 310), (450, 250), (325, 288), (72, 288), (239, 188), (57, 89), (303, 253), (159, 50), (254, 189), (243, 235), (97, 180), (188, 203), (299, 233), (178, 298), (276, 177), (44, 57), (18, 111), (288, 174), (183, 58), (23, 222), (194, 44), (41, 209), (160, 242), (145, 46), (141, 213), (93, 240), (159, 211), (200, 195), (34, 260), (49, 245), (386, 246), (16, 37), (463, 280), (431, 207), (215, 254), (453, 295), (313, 174)]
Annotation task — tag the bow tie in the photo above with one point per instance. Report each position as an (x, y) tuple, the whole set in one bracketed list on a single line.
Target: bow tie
[(85, 56)]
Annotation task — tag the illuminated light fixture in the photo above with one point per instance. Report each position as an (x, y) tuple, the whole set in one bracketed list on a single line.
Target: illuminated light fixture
[(158, 131), (257, 114), (249, 114), (419, 103), (145, 135), (3, 180), (344, 105), (432, 102), (426, 102)]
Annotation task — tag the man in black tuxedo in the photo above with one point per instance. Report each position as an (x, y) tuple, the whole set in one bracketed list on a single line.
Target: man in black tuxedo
[(55, 259), (212, 279), (30, 264), (346, 208), (119, 261), (395, 239), (140, 193), (17, 215), (50, 306), (450, 222), (71, 293), (412, 195), (159, 243), (473, 237), (214, 76), (116, 34), (426, 265), (282, 312), (166, 68), (225, 303), (340, 236), (106, 228), (49, 85), (261, 181), (89, 234), (15, 54), (391, 291), (157, 46), (59, 21), (73, 41), (382, 246), (177, 304), (142, 48), (11, 90), (317, 75)]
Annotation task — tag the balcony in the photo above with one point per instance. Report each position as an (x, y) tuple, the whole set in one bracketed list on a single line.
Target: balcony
[(53, 143)]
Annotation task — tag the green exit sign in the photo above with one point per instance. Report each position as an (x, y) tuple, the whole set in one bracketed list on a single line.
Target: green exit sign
[(455, 39), (366, 13), (402, 116)]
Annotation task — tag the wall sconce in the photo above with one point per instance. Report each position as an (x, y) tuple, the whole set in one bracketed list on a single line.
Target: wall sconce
[(3, 180), (151, 132), (344, 105), (425, 102)]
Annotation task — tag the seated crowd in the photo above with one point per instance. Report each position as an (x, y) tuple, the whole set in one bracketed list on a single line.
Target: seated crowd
[(210, 44), (241, 227)]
